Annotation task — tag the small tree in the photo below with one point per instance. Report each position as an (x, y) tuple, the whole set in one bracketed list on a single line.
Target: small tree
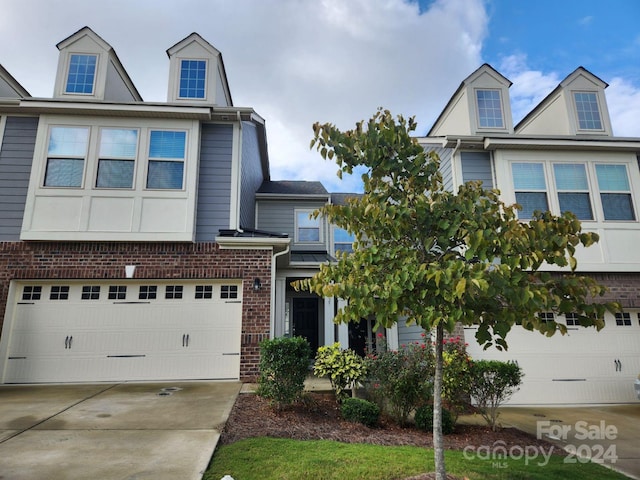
[(343, 368), (438, 257), (493, 382)]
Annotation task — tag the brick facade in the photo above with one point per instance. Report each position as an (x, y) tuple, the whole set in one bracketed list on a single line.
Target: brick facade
[(71, 260)]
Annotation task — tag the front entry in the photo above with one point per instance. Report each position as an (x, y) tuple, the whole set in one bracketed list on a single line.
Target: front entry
[(305, 320)]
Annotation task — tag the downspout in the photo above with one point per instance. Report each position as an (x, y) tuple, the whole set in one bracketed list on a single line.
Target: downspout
[(237, 226), (272, 322), (454, 170)]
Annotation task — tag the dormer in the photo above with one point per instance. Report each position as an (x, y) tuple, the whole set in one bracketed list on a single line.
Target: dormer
[(89, 69), (9, 86), (479, 106), (577, 106), (196, 74)]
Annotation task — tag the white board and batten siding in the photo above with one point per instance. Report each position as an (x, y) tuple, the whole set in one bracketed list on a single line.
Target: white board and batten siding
[(122, 331), (583, 367)]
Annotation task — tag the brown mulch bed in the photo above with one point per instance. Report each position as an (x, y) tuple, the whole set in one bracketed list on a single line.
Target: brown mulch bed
[(318, 418)]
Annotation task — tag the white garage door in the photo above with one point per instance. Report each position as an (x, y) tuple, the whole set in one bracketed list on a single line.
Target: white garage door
[(117, 331), (585, 366)]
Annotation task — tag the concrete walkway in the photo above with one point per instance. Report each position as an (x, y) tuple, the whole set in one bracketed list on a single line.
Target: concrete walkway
[(159, 431)]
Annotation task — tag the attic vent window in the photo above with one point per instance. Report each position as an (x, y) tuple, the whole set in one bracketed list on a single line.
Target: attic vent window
[(489, 105), (192, 78), (588, 111), (82, 74)]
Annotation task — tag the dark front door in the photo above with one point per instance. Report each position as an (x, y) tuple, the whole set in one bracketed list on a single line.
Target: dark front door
[(305, 320)]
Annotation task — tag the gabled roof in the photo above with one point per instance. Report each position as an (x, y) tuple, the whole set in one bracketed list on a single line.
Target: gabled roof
[(86, 31), (293, 187), (195, 37), (567, 80), (12, 83), (484, 68)]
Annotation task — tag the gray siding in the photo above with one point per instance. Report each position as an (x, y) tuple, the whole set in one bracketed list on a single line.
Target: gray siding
[(409, 333), (251, 175), (214, 181), (477, 166), (446, 169), (16, 156), (278, 216)]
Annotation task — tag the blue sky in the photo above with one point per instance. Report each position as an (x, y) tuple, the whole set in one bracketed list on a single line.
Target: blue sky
[(300, 61)]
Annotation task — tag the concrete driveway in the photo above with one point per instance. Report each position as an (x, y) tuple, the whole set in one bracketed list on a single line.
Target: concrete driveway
[(118, 431), (607, 434)]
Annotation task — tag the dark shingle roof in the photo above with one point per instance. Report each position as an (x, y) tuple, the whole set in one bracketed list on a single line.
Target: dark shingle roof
[(292, 187), (341, 198)]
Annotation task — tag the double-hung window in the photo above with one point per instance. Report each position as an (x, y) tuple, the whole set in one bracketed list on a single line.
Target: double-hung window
[(615, 192), (489, 104), (81, 74), (307, 228), (342, 240), (166, 159), (530, 188), (118, 148), (193, 75), (587, 110), (66, 154), (573, 189)]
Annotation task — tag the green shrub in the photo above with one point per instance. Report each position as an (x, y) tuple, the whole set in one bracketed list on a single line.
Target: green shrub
[(401, 381), (284, 364), (343, 367), (456, 376), (493, 383), (424, 419), (359, 410)]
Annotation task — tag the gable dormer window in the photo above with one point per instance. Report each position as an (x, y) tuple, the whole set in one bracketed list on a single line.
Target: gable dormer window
[(489, 104), (193, 75), (81, 74), (587, 110)]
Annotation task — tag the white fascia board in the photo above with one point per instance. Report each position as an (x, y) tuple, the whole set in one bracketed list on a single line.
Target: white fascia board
[(114, 109), (618, 144)]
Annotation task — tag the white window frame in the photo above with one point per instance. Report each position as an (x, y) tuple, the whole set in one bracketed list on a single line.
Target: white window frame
[(206, 79), (65, 80), (589, 191), (84, 158), (301, 211), (577, 117), (148, 159), (477, 107)]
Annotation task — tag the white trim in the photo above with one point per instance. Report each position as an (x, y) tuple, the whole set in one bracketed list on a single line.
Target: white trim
[(3, 126), (7, 327), (236, 177)]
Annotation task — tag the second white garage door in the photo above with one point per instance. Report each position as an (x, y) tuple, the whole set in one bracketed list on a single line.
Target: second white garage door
[(583, 367), (119, 331)]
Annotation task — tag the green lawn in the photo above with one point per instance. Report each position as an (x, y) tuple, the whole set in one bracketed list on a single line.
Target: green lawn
[(283, 459)]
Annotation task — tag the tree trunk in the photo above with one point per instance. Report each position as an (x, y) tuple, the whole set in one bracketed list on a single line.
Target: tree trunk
[(438, 441)]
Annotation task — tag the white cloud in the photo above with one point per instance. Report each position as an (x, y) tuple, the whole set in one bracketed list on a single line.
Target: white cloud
[(530, 87), (295, 62), (623, 99)]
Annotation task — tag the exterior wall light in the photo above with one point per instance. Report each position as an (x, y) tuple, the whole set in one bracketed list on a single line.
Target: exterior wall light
[(257, 284)]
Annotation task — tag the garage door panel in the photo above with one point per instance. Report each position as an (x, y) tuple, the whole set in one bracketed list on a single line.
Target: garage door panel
[(186, 331)]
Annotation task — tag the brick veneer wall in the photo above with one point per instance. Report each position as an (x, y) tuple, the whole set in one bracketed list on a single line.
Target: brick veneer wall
[(76, 260), (623, 288)]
